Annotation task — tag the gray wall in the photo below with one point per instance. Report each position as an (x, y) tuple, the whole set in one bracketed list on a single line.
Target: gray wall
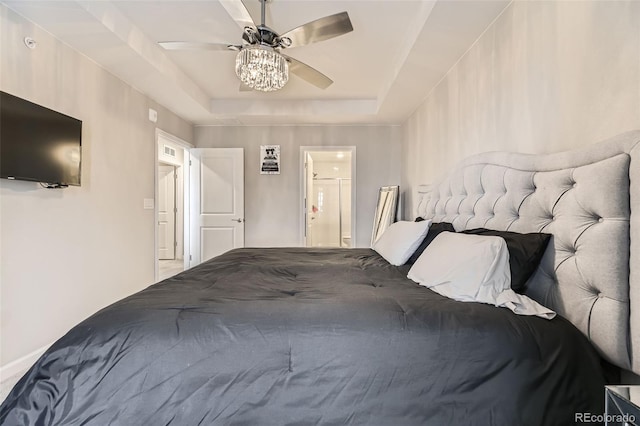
[(67, 253), (546, 76), (272, 202)]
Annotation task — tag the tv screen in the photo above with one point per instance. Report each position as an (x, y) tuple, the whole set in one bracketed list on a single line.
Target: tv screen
[(38, 144)]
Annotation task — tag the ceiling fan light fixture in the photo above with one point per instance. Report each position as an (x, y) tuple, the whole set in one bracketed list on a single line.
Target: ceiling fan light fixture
[(262, 68)]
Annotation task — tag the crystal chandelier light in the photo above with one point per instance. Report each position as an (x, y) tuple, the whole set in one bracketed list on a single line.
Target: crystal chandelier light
[(262, 68)]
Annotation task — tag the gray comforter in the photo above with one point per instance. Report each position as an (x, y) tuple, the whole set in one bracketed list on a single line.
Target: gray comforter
[(307, 336)]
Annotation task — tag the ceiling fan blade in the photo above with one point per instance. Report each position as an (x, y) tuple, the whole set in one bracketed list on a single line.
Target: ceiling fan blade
[(319, 30), (238, 11), (190, 45), (308, 73)]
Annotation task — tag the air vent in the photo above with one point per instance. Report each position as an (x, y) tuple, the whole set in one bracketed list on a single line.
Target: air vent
[(169, 151)]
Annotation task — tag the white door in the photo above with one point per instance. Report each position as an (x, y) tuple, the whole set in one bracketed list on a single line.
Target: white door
[(217, 202), (166, 212)]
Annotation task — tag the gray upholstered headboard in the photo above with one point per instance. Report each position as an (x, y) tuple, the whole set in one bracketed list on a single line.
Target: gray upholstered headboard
[(589, 199)]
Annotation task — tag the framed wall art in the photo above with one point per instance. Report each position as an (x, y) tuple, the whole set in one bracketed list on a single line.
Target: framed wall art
[(270, 159)]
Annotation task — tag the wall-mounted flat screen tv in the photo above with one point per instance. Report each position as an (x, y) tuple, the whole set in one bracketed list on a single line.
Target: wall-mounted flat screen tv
[(38, 144)]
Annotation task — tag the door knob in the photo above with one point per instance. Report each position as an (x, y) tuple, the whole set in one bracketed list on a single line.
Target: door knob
[(237, 220)]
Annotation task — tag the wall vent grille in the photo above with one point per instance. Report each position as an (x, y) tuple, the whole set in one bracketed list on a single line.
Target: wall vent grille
[(169, 151)]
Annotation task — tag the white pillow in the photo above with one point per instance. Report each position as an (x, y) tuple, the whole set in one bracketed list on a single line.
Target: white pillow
[(400, 240), (472, 268)]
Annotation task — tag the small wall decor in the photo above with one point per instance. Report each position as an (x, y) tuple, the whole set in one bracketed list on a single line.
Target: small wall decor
[(270, 159)]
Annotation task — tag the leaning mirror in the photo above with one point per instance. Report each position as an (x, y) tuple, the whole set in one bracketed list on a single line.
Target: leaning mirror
[(385, 210)]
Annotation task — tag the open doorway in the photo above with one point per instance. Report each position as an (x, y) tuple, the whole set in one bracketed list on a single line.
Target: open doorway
[(167, 212), (328, 196), (171, 206)]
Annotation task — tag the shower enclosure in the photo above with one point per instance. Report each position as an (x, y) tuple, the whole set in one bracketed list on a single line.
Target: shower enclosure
[(328, 199)]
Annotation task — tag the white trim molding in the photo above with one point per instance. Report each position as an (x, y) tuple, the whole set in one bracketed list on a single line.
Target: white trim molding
[(13, 371)]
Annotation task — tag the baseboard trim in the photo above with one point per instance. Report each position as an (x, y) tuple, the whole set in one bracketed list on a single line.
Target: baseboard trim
[(21, 365)]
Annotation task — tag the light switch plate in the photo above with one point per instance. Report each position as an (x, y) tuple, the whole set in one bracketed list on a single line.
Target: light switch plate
[(148, 204)]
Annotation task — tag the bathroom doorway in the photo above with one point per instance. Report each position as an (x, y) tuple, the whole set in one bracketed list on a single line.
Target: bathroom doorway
[(171, 204), (329, 196)]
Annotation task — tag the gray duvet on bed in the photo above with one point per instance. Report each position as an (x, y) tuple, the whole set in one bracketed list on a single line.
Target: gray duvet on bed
[(303, 337)]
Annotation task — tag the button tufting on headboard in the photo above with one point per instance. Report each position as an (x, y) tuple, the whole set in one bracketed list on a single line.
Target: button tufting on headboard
[(584, 198)]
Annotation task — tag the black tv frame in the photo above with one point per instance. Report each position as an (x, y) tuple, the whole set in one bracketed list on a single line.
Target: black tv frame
[(66, 127)]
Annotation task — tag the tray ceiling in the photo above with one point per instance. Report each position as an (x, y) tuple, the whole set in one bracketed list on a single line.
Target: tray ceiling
[(382, 71)]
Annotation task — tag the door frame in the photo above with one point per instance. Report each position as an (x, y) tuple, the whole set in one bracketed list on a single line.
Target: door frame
[(186, 146), (303, 188)]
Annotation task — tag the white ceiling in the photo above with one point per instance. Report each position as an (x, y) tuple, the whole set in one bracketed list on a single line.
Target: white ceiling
[(382, 71)]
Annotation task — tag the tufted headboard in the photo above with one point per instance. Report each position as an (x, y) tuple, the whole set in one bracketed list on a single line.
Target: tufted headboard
[(589, 199)]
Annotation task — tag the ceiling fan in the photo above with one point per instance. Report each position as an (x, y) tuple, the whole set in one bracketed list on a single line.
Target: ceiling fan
[(260, 63)]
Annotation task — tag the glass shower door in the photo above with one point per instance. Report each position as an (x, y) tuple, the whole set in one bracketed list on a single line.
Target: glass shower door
[(331, 213)]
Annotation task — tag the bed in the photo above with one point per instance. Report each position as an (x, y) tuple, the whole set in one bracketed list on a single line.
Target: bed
[(339, 336)]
